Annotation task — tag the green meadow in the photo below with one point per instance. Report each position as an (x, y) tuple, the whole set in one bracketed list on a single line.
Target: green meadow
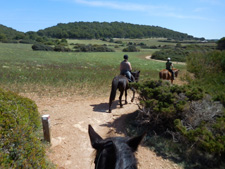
[(25, 70)]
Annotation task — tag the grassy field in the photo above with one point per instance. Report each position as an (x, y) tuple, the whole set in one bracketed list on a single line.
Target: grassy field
[(25, 70)]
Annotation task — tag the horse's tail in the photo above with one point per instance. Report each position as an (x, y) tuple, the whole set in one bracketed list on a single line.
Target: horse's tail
[(112, 97), (114, 88)]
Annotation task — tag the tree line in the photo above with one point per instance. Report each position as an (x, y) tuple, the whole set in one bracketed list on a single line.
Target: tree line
[(97, 30), (94, 30)]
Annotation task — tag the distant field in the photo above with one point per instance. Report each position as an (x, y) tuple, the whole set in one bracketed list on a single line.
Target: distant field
[(25, 70)]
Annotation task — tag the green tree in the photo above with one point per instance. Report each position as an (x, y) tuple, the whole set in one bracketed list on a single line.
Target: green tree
[(2, 37), (221, 44)]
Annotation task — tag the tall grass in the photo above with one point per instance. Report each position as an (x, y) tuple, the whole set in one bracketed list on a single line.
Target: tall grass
[(25, 70), (209, 70)]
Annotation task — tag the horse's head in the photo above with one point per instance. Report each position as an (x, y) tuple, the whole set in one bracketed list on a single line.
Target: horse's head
[(115, 152), (136, 75), (175, 71)]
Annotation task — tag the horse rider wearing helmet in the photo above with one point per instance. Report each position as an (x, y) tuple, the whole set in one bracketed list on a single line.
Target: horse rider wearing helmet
[(125, 69), (169, 66)]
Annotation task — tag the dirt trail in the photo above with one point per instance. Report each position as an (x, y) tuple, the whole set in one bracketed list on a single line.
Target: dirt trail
[(175, 62), (69, 119)]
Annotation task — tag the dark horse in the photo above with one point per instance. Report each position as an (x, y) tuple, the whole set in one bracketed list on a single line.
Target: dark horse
[(114, 152), (121, 82)]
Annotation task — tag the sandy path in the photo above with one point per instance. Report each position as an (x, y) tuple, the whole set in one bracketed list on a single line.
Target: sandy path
[(69, 119), (174, 62)]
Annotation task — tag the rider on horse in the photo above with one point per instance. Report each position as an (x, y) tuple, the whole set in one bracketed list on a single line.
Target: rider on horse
[(169, 67), (125, 69)]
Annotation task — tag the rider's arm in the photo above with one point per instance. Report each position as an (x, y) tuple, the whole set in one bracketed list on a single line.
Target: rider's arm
[(130, 66)]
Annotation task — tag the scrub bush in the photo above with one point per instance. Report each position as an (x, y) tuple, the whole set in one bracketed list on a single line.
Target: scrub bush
[(186, 112), (20, 146)]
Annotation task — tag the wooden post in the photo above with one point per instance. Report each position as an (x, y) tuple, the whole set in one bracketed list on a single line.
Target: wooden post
[(46, 127)]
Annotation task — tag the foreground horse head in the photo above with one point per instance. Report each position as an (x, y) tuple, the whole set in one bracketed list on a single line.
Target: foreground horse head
[(166, 75), (114, 152), (121, 82)]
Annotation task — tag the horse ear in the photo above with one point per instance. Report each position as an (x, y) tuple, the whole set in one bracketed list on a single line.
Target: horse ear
[(94, 137), (135, 141)]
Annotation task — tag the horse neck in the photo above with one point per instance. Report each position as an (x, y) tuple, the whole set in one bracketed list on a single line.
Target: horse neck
[(106, 157), (124, 157), (136, 76)]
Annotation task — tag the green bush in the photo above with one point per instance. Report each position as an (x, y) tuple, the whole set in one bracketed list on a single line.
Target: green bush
[(165, 103), (61, 48), (131, 48), (92, 48), (179, 53), (221, 44), (210, 138), (20, 146), (42, 47), (209, 70), (185, 109)]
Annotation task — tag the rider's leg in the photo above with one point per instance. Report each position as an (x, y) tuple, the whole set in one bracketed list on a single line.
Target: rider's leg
[(128, 75), (172, 73)]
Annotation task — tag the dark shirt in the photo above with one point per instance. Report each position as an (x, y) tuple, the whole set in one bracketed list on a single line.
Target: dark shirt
[(169, 65)]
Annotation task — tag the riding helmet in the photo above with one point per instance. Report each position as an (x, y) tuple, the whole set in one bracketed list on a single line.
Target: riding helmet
[(125, 56)]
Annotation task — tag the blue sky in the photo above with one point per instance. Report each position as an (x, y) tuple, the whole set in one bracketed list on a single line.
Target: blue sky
[(199, 18)]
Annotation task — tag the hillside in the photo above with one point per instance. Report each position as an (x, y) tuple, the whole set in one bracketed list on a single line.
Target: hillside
[(96, 30), (9, 33)]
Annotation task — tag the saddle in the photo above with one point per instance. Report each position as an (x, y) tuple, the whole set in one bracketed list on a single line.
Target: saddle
[(129, 80)]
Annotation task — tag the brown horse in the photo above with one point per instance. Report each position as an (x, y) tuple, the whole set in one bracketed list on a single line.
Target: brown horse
[(166, 75)]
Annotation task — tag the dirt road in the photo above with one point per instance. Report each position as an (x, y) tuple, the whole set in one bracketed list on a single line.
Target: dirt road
[(69, 119), (175, 62)]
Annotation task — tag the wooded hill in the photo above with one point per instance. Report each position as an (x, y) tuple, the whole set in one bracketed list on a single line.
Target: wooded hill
[(96, 30), (9, 33)]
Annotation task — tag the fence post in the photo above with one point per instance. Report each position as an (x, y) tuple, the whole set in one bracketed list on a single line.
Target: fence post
[(46, 127)]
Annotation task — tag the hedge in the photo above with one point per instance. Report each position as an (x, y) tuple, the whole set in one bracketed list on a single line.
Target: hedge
[(20, 144)]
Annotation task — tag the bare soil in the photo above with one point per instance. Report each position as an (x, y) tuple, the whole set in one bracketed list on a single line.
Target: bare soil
[(69, 118)]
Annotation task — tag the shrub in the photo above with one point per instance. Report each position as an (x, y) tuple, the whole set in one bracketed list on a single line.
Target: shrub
[(19, 126), (185, 110), (92, 48), (221, 44), (209, 69), (61, 48), (42, 47), (131, 49)]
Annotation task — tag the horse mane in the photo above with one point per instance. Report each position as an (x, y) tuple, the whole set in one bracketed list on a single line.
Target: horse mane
[(125, 154)]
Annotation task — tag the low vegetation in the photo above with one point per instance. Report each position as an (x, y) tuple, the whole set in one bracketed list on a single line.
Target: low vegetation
[(192, 115), (179, 53), (209, 71), (189, 116), (20, 141)]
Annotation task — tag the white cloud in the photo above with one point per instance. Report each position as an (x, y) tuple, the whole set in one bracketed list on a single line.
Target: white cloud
[(200, 9), (163, 11), (121, 5), (213, 2)]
